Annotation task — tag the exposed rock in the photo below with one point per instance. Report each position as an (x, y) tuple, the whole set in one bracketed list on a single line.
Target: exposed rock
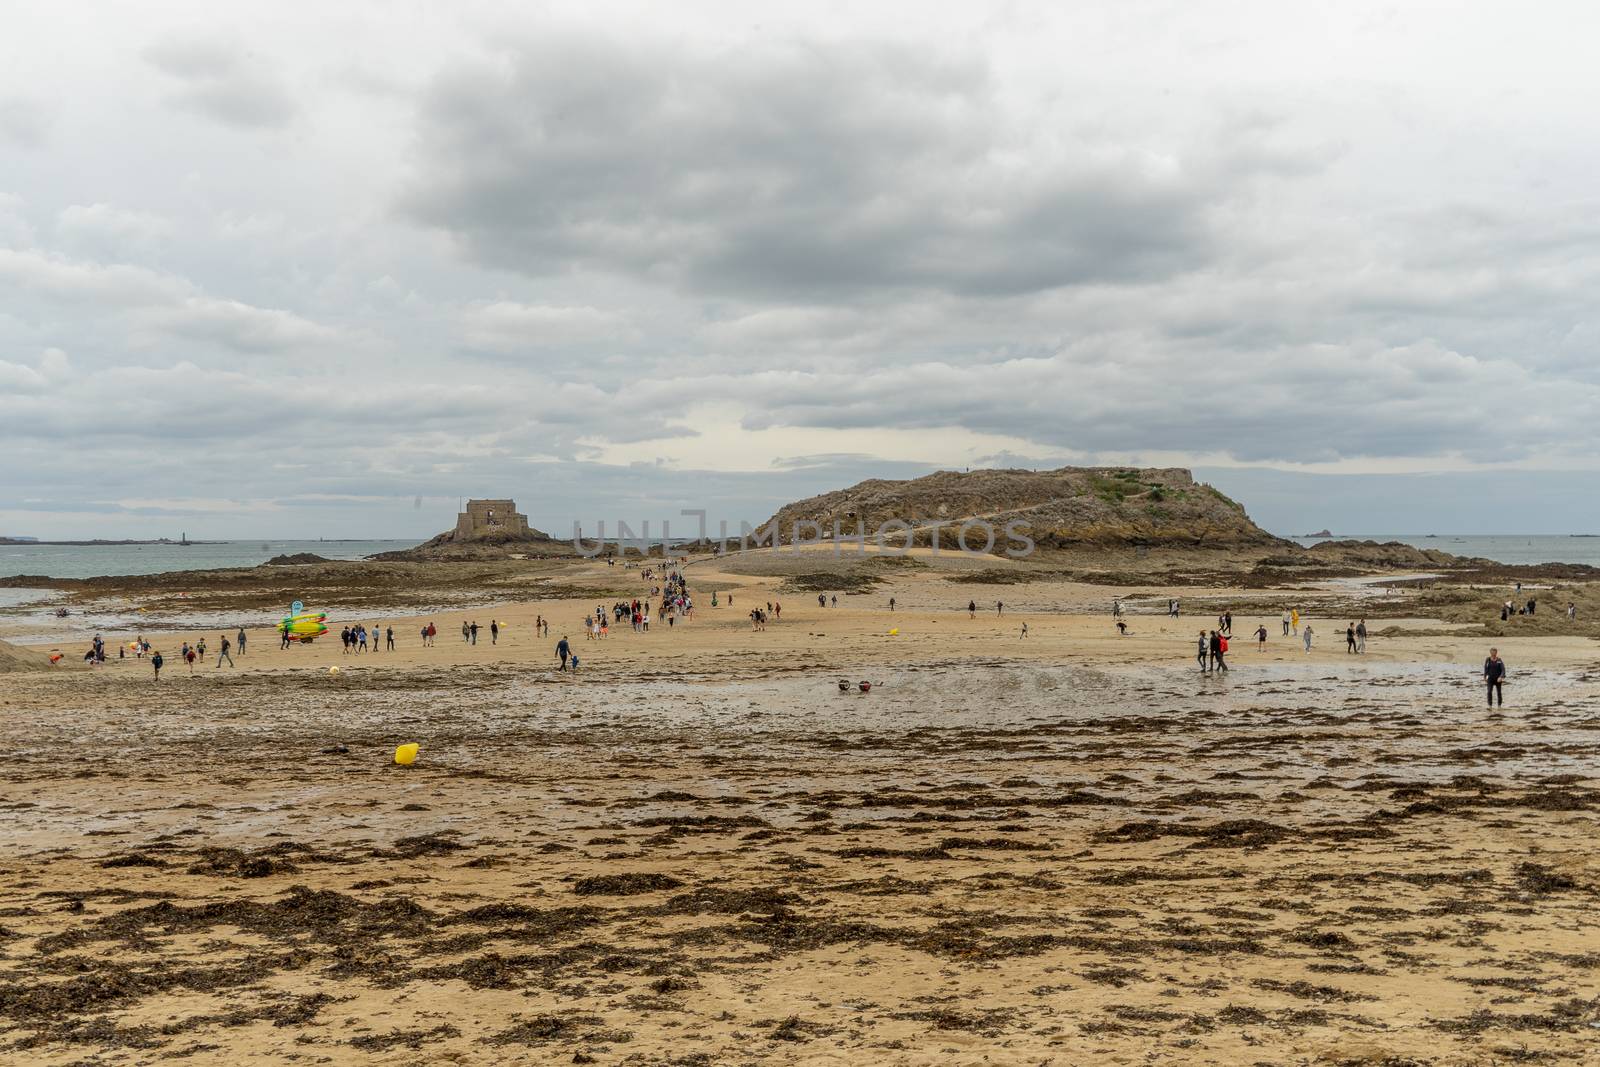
[(1072, 506), (450, 546), (296, 559), (1385, 554)]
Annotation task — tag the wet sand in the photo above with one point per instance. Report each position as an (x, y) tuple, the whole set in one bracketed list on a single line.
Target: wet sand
[(1066, 849)]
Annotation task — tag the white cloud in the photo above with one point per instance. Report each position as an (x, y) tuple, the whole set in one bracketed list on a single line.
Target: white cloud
[(506, 325), (81, 281), (100, 221), (239, 326)]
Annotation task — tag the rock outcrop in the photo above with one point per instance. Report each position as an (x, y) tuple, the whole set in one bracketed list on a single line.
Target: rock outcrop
[(1064, 508), (450, 545)]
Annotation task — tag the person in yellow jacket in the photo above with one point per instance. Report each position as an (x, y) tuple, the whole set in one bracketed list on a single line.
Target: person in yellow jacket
[(1294, 621)]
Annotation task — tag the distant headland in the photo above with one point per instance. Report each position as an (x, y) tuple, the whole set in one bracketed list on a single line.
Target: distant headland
[(101, 541)]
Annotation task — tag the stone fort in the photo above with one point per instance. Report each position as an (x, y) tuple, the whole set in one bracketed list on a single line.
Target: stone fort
[(490, 518)]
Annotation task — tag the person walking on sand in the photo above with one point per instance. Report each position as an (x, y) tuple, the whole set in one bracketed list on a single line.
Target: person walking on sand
[(563, 650), (999, 607), (891, 603), (1024, 629), (1261, 638), (972, 609), (1308, 638), (1219, 648), (1203, 653), (241, 640), (222, 654), (388, 633), (1494, 676), (1286, 622), (472, 633), (1116, 608), (494, 631), (1350, 639), (1294, 620), (156, 661), (1361, 636)]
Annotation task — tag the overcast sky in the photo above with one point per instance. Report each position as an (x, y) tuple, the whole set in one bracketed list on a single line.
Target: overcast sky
[(322, 269)]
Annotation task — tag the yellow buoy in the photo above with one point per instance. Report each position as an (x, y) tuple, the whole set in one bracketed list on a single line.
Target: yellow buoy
[(333, 672), (895, 632), (406, 755)]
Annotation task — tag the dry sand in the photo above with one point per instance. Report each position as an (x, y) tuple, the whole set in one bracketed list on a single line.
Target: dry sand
[(1063, 849)]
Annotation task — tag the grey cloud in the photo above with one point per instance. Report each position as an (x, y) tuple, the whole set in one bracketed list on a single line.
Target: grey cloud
[(822, 234), (1145, 393), (800, 171), (23, 122), (225, 83)]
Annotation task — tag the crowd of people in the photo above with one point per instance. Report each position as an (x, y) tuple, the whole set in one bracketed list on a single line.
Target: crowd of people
[(670, 590)]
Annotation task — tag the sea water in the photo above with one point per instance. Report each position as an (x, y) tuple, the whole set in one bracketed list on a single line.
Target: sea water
[(92, 561)]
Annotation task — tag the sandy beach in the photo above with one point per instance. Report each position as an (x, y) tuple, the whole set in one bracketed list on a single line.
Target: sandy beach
[(1063, 848)]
